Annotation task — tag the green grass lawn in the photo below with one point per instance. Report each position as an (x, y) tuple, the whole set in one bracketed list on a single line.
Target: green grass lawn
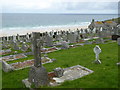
[(105, 75)]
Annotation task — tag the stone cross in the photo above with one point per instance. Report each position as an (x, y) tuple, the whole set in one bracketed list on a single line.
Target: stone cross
[(36, 49), (97, 51), (38, 74)]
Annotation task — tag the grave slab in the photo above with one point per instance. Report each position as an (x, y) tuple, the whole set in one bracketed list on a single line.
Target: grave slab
[(13, 57), (70, 73)]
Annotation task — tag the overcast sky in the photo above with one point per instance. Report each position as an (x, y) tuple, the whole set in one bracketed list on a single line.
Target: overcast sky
[(60, 6)]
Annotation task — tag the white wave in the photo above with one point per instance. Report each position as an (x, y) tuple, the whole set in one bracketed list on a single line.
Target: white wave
[(44, 27)]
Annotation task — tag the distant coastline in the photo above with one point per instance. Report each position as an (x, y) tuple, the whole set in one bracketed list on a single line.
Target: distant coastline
[(23, 23)]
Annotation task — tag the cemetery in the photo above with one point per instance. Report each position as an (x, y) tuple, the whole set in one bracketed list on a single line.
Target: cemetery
[(83, 58)]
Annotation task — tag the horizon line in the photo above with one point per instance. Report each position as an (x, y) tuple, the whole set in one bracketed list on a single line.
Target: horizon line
[(64, 13)]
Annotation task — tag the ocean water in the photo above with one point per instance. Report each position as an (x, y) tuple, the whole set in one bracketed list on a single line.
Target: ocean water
[(23, 21)]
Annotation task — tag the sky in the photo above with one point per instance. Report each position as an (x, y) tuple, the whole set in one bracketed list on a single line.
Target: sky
[(60, 6)]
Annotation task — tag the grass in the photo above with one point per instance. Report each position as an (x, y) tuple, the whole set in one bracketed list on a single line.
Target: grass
[(92, 40), (105, 75)]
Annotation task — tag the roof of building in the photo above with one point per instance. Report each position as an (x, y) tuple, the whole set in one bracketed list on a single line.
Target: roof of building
[(98, 22), (108, 22)]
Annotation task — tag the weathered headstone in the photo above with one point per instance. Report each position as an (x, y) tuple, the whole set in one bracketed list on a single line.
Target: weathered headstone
[(99, 40), (14, 38), (64, 37), (15, 46), (38, 74), (64, 45), (24, 47), (72, 37), (49, 41), (58, 72), (97, 51), (18, 37), (118, 40)]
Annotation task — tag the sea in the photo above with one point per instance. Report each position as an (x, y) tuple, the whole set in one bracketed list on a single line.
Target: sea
[(29, 21)]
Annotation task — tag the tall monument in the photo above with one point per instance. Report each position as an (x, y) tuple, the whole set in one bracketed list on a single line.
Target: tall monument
[(38, 74)]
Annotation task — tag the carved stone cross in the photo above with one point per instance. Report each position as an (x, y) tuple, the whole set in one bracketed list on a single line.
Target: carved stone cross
[(36, 49), (38, 74)]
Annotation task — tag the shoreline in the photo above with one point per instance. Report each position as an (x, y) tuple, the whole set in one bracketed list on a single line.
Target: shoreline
[(23, 32)]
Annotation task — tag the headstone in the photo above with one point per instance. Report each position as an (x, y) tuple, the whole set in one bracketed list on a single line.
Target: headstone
[(38, 74), (27, 36), (78, 38), (64, 45), (24, 47), (72, 37), (99, 40), (15, 46), (18, 37), (49, 41), (14, 38), (97, 51), (58, 37), (58, 72), (64, 38), (118, 40)]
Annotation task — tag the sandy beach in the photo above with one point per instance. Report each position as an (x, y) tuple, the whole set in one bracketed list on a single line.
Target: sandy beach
[(25, 31)]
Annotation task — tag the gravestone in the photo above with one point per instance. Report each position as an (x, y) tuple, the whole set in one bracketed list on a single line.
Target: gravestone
[(18, 37), (7, 38), (58, 72), (64, 37), (78, 38), (38, 74), (118, 40), (27, 36), (49, 41), (64, 45), (72, 37), (99, 40), (97, 51), (15, 46), (24, 47), (14, 38), (58, 37)]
